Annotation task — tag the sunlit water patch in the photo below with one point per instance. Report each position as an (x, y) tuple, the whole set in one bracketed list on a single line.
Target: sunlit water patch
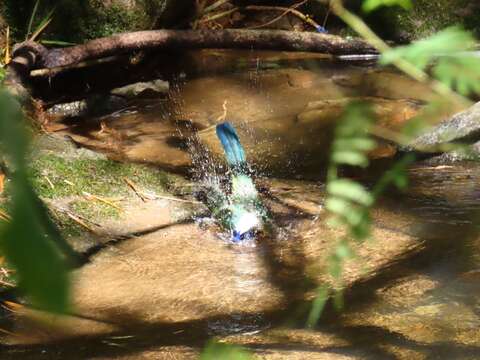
[(193, 276)]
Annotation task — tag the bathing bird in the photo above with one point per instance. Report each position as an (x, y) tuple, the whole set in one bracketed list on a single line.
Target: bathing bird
[(241, 210)]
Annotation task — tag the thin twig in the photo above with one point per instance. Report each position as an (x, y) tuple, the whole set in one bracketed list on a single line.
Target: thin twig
[(30, 21), (218, 15), (7, 46), (5, 271), (71, 215), (7, 332), (40, 29), (50, 72), (293, 11), (214, 6), (176, 199), (6, 283), (4, 216), (102, 200), (275, 19), (329, 9), (80, 222), (224, 114), (12, 306), (135, 189), (2, 182), (219, 119), (49, 182)]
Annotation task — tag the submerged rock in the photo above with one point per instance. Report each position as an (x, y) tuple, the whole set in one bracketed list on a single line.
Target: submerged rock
[(132, 90), (94, 105)]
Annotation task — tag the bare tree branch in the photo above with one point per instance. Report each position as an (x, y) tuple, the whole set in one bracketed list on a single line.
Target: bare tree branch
[(198, 39)]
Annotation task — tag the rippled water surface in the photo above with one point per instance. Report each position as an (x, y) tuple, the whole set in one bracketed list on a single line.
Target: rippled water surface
[(418, 295)]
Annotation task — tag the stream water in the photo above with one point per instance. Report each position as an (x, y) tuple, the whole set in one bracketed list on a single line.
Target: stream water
[(416, 294)]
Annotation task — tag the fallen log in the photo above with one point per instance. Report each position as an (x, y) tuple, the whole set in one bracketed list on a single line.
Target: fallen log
[(199, 39)]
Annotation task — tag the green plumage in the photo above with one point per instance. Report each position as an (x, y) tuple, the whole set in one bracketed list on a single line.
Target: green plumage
[(241, 211)]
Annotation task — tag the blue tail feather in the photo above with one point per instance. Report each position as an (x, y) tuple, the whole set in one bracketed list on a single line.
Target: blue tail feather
[(231, 144)]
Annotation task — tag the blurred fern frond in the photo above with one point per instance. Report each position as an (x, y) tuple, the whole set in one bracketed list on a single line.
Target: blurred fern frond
[(30, 241), (349, 202), (449, 53)]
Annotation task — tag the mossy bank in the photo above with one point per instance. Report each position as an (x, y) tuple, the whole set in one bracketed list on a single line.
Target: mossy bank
[(425, 19), (78, 184), (77, 21)]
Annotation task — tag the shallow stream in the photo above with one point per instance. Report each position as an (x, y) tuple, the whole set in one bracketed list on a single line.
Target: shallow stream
[(415, 294)]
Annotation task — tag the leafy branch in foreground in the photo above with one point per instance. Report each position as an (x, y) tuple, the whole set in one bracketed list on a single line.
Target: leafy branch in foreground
[(30, 241), (453, 66), (348, 202), (358, 25)]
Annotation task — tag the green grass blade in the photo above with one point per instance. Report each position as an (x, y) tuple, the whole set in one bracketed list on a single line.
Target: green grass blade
[(32, 18), (29, 241), (318, 306), (41, 272)]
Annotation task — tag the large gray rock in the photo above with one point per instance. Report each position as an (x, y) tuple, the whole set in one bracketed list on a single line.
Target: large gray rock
[(463, 128)]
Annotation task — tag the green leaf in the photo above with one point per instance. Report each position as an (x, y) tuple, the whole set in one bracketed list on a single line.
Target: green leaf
[(354, 218), (448, 42), (317, 306), (415, 127), (344, 251), (2, 74), (338, 302), (338, 206), (361, 231), (352, 158), (25, 243), (370, 5), (221, 351), (355, 121), (58, 43), (461, 73), (13, 141), (351, 190), (396, 175), (32, 17), (335, 267), (362, 144)]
